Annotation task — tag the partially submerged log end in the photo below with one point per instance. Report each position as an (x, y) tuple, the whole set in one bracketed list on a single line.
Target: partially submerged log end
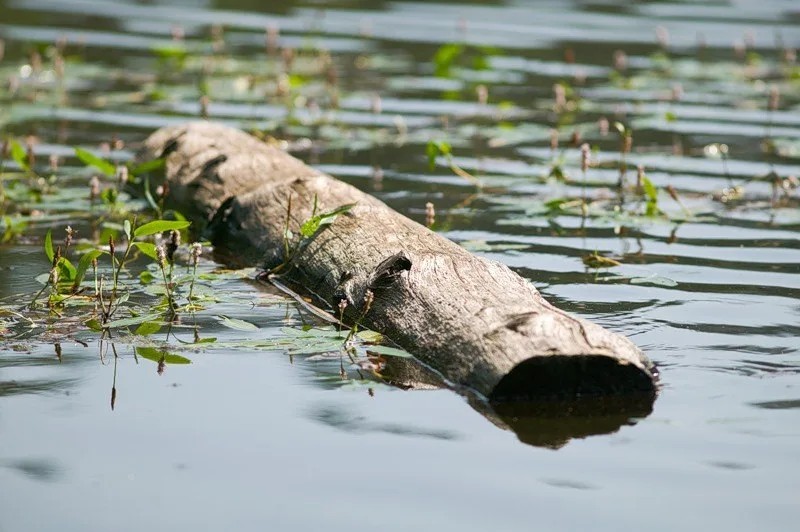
[(474, 321)]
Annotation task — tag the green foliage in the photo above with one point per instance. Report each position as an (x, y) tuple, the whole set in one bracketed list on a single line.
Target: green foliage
[(308, 229), (90, 159), (147, 166), (317, 221), (436, 148), (172, 55), (147, 328), (83, 266), (445, 57), (651, 195), (148, 248), (159, 226), (450, 55), (20, 156), (48, 246)]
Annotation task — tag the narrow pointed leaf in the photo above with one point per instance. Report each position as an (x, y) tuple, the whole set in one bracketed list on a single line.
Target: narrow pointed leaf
[(83, 265), (148, 248), (48, 246), (159, 226), (90, 159)]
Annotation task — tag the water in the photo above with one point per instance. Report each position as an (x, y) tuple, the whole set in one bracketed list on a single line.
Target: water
[(249, 438)]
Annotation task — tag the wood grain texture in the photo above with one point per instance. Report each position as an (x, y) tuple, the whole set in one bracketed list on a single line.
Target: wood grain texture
[(474, 321)]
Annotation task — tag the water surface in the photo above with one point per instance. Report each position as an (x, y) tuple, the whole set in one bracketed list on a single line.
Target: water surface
[(248, 438)]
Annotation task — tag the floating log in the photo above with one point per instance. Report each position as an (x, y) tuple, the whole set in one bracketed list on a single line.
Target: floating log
[(475, 322)]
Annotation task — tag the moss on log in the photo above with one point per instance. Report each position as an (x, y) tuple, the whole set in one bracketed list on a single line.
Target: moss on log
[(474, 321)]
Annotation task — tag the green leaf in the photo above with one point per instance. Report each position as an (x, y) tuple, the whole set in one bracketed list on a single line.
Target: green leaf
[(237, 324), (83, 265), (171, 51), (109, 196), (555, 204), (126, 227), (20, 156), (313, 224), (158, 355), (48, 246), (432, 151), (66, 269), (650, 189), (94, 324), (620, 127), (148, 248), (146, 277), (159, 226), (147, 166), (557, 172), (147, 328), (445, 56), (434, 148), (90, 159), (670, 116), (310, 227)]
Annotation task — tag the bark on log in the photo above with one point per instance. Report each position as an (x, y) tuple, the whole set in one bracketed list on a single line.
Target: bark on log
[(474, 321)]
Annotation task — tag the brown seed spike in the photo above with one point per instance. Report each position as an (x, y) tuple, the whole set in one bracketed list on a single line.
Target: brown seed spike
[(430, 214), (585, 154)]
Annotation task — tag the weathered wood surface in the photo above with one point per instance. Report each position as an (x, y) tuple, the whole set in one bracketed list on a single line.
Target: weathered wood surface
[(474, 321)]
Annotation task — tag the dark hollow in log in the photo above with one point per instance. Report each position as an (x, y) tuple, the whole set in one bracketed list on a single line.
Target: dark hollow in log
[(474, 321)]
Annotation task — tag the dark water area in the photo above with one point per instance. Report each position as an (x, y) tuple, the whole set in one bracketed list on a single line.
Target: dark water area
[(260, 430)]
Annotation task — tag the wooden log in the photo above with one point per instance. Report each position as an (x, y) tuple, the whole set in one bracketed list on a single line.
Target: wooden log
[(474, 321)]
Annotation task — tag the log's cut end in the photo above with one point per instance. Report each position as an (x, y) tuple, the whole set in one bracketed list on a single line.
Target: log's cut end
[(575, 376)]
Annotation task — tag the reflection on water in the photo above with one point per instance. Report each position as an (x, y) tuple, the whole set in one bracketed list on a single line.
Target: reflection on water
[(554, 423), (36, 386), (340, 419), (245, 435), (37, 469)]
